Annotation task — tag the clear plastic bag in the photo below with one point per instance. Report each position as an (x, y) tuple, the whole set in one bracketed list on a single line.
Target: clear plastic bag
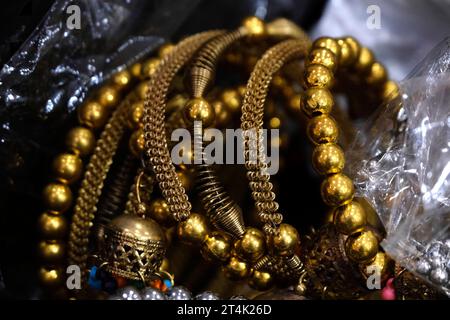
[(401, 165)]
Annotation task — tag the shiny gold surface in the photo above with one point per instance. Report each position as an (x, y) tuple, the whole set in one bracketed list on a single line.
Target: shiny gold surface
[(217, 246), (350, 218), (198, 109), (323, 129), (93, 115), (52, 226), (57, 197), (81, 141), (337, 190), (328, 158), (108, 96), (361, 246), (285, 241), (67, 167), (251, 246), (317, 101), (319, 76), (194, 229)]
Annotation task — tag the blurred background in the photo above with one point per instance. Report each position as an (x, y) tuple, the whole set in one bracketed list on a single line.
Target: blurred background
[(47, 71)]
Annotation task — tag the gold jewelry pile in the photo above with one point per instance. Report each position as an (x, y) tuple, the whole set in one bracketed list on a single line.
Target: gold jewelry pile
[(123, 229)]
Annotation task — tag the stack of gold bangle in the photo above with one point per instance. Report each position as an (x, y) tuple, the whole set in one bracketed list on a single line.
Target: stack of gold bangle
[(155, 102)]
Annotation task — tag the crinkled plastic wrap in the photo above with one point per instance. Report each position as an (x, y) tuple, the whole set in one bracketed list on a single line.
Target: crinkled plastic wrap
[(402, 166)]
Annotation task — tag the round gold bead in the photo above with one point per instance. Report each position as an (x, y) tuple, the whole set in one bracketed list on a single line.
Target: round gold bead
[(390, 90), (165, 49), (57, 197), (198, 109), (254, 26), (328, 158), (108, 96), (93, 115), (142, 89), (285, 241), (350, 218), (241, 89), (337, 190), (50, 277), (251, 246), (323, 129), (159, 211), (319, 76), (236, 269), (323, 56), (137, 143), (364, 60), (317, 101), (194, 229), (260, 280), (67, 167), (217, 246), (52, 226), (328, 43), (135, 70), (382, 264), (149, 67), (135, 114), (232, 99), (377, 74), (354, 45), (122, 79), (347, 56), (223, 116), (361, 246), (51, 251), (80, 141)]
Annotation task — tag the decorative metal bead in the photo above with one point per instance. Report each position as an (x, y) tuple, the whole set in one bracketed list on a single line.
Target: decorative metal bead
[(328, 158), (317, 101), (51, 251), (439, 276), (121, 79), (362, 246), (252, 245), (347, 56), (236, 269), (260, 280), (207, 295), (323, 129), (92, 114), (319, 76), (285, 241), (50, 277), (377, 74), (152, 294), (365, 60), (159, 210), (67, 167), (137, 143), (382, 263), (135, 70), (324, 57), (149, 67), (179, 293), (217, 246), (165, 49), (194, 229), (354, 45), (135, 115), (52, 226), (390, 90), (108, 96), (129, 293), (223, 115), (350, 218), (198, 109), (57, 197), (81, 141), (337, 190), (328, 43), (142, 89)]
